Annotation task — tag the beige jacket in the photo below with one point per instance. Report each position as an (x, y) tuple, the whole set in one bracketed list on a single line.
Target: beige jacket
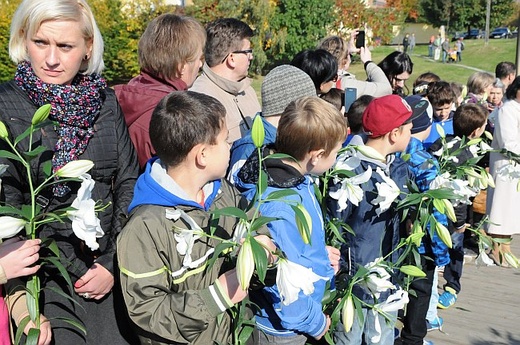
[(239, 99)]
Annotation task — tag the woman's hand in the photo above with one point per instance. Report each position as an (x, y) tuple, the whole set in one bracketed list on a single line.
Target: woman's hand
[(96, 283), (45, 330), (17, 256), (334, 256)]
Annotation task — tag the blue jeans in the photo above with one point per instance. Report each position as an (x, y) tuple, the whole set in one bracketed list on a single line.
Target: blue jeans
[(362, 333), (431, 315), (453, 271)]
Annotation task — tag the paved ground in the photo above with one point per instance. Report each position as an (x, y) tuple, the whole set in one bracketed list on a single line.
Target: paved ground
[(487, 311)]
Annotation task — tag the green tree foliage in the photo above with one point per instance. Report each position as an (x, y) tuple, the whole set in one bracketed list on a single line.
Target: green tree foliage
[(463, 15), (7, 67)]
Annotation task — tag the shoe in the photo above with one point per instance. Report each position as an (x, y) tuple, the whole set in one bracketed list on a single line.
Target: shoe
[(447, 298), (435, 324)]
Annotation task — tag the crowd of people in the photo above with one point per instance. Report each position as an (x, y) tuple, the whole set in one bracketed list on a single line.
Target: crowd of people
[(175, 144)]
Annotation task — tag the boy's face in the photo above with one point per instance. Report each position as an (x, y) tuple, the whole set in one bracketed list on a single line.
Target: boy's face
[(218, 155), (326, 161), (442, 112), (404, 133)]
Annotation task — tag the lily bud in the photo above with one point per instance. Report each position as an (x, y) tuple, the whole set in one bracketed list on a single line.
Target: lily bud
[(10, 226), (443, 234), (490, 181), (448, 208), (3, 131), (245, 264), (440, 130), (347, 314), (75, 168), (303, 226), (412, 270), (41, 114), (258, 132), (370, 152)]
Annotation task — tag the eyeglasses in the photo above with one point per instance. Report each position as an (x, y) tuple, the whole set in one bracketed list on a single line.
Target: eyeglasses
[(248, 52)]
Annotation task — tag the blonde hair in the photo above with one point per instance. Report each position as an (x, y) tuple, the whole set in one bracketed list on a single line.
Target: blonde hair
[(169, 42), (32, 13), (308, 124), (336, 46), (479, 81)]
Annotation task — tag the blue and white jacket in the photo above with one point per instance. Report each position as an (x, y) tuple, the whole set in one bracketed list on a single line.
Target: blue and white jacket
[(305, 314)]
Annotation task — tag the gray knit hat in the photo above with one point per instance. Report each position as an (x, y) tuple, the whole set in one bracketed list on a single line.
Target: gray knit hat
[(281, 86)]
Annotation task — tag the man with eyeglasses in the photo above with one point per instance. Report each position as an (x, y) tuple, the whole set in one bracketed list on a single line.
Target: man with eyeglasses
[(228, 54)]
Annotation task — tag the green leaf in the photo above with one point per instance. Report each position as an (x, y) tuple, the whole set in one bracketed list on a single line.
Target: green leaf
[(12, 211), (439, 205), (47, 168), (57, 263), (32, 336), (257, 223), (20, 329), (303, 222), (10, 155), (246, 331), (230, 211), (33, 292), (51, 245), (262, 183), (280, 156), (280, 194), (219, 248), (335, 231), (260, 258), (34, 153), (64, 294), (412, 270), (74, 323), (258, 132)]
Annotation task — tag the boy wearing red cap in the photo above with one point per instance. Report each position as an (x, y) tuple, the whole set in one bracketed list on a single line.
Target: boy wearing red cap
[(374, 220)]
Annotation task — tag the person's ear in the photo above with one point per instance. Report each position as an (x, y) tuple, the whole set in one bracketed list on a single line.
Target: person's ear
[(316, 155), (201, 155)]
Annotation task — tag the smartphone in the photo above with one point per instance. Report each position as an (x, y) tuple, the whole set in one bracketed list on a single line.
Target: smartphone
[(350, 97), (360, 39)]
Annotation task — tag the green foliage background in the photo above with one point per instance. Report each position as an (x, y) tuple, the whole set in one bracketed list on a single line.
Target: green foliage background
[(282, 27)]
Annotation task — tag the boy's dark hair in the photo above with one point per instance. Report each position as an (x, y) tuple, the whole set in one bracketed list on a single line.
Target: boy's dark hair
[(440, 93), (420, 85), (512, 89), (336, 97), (182, 120), (308, 124), (504, 68), (224, 36), (467, 118), (355, 113), (319, 64)]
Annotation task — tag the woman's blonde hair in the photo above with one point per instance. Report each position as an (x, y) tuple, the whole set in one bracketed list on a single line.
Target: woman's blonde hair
[(169, 42), (32, 13), (479, 81)]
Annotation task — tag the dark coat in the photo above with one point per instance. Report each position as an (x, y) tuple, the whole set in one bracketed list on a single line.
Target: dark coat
[(115, 172)]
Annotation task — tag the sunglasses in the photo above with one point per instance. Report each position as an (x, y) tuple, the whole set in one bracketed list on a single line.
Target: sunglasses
[(245, 51)]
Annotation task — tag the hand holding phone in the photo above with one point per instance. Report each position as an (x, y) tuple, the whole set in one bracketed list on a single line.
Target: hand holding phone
[(360, 39)]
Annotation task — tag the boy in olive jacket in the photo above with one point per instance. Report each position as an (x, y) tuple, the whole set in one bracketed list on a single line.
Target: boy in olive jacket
[(172, 294)]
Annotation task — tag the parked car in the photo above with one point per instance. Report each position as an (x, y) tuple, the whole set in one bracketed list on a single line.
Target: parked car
[(514, 33), (459, 34), (500, 33), (475, 34)]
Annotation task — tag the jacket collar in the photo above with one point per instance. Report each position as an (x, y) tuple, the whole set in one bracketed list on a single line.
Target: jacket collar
[(232, 87)]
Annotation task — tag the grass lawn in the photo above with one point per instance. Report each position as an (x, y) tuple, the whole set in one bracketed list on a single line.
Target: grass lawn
[(475, 55)]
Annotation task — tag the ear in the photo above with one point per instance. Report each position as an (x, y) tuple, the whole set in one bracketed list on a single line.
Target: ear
[(89, 44), (201, 155), (315, 156), (393, 135)]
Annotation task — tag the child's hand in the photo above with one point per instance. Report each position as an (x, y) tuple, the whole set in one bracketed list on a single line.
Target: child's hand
[(231, 286), (45, 330), (325, 330), (17, 256), (334, 256)]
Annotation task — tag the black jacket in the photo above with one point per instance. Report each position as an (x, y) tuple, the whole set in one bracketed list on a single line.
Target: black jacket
[(115, 172)]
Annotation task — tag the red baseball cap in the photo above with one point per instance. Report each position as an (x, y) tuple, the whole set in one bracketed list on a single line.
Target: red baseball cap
[(386, 113)]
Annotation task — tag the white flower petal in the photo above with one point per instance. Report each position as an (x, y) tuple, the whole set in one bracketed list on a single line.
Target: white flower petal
[(292, 277), (10, 226)]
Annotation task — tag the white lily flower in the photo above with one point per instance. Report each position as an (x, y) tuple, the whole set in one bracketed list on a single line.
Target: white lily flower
[(394, 302), (292, 277), (438, 153), (483, 260), (75, 168), (350, 190), (245, 264), (347, 161), (10, 226), (377, 280), (241, 230), (387, 192), (452, 142), (185, 237), (459, 187), (85, 223)]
